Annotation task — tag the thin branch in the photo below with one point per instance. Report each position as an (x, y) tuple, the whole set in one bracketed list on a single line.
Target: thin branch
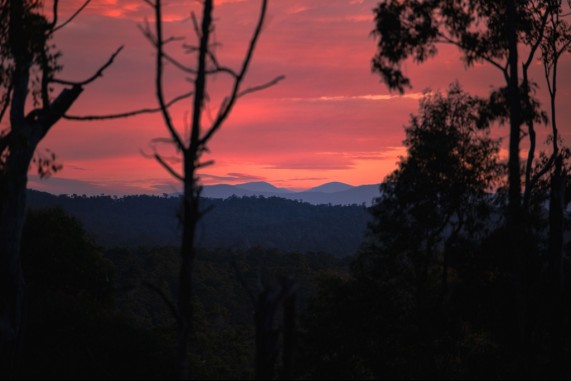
[(128, 113), (447, 40), (163, 140), (178, 65), (4, 142), (263, 86), (98, 74), (6, 101), (534, 47), (200, 82), (159, 78), (195, 25), (54, 12), (543, 171), (205, 164), (236, 89), (70, 19), (169, 169)]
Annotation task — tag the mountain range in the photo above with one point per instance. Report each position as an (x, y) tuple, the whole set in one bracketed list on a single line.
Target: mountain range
[(335, 193)]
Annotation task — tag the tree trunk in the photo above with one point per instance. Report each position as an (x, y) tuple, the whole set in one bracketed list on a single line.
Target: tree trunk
[(190, 217), (514, 213), (12, 215), (556, 227)]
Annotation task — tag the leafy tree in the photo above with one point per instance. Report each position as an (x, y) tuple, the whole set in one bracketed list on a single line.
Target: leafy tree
[(29, 65), (488, 32), (193, 146), (441, 190), (484, 32)]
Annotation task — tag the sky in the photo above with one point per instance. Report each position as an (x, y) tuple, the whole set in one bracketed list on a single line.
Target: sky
[(330, 119)]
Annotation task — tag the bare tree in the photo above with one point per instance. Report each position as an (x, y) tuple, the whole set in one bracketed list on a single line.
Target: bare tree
[(192, 147)]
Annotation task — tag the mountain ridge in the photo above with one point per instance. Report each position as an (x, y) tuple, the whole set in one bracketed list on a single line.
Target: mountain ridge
[(335, 193)]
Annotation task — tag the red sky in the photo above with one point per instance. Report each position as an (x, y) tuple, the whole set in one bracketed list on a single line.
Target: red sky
[(331, 119)]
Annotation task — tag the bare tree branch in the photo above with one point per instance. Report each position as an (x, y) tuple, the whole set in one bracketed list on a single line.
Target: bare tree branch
[(128, 113), (169, 169), (238, 81), (55, 13), (195, 25), (70, 19), (159, 78), (205, 164), (263, 86), (98, 74)]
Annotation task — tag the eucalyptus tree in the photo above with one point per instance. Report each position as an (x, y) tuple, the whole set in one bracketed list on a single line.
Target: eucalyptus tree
[(490, 32), (33, 99)]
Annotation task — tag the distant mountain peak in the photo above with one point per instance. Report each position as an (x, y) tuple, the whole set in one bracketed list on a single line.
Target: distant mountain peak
[(261, 186), (332, 187)]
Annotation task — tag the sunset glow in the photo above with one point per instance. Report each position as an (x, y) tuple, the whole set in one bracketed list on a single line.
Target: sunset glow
[(331, 119)]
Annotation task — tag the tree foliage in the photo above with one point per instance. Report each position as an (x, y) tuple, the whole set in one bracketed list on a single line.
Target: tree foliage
[(443, 187)]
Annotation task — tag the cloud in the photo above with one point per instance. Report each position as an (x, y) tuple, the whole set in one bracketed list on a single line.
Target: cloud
[(366, 97), (298, 9), (231, 177)]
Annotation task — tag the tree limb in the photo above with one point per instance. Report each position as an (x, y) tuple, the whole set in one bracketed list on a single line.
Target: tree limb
[(159, 78), (128, 113), (224, 112), (262, 86), (169, 169), (98, 74), (70, 19), (54, 12), (6, 101)]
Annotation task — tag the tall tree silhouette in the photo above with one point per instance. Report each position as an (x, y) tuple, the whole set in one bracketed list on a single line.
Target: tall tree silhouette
[(28, 69), (193, 146), (488, 32), (556, 43), (29, 65), (438, 193)]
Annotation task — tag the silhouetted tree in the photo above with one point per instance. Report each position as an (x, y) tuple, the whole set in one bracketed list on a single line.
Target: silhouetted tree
[(490, 32), (195, 144), (556, 43), (28, 68), (440, 191), (29, 63), (484, 32)]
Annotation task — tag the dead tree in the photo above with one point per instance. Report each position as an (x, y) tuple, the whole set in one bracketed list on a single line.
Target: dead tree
[(192, 147)]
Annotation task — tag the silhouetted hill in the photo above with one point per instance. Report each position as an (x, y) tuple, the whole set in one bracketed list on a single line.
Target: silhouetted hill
[(262, 186), (331, 187), (233, 222), (334, 193)]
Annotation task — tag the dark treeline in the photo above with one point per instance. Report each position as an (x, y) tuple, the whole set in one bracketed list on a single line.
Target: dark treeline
[(96, 313), (238, 223)]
